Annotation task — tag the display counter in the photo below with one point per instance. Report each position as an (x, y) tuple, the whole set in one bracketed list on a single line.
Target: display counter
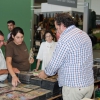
[(31, 88)]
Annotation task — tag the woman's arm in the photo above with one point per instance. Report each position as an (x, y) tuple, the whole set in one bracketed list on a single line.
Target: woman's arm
[(38, 64), (12, 71)]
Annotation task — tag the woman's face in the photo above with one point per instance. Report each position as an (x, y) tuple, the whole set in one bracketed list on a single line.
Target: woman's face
[(18, 39), (48, 37)]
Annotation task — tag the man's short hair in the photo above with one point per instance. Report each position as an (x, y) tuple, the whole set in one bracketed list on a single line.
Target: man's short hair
[(11, 21), (65, 19), (1, 33)]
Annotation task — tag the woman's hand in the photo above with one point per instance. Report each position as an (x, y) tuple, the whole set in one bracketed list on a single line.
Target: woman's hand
[(31, 60), (35, 70), (15, 81), (16, 70)]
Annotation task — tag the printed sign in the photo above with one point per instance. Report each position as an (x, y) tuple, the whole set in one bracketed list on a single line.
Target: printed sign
[(67, 3)]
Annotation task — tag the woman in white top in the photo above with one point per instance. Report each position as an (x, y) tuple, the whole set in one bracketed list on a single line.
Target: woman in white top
[(46, 50)]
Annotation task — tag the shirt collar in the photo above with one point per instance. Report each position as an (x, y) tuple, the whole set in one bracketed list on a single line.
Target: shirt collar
[(68, 29), (49, 43), (0, 50)]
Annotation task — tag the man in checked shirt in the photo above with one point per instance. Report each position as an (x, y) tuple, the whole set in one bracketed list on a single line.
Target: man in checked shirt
[(72, 60)]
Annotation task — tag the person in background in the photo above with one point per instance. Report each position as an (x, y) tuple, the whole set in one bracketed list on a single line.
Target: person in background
[(80, 22), (3, 68), (42, 34), (46, 50), (17, 56), (76, 20), (72, 60), (11, 26)]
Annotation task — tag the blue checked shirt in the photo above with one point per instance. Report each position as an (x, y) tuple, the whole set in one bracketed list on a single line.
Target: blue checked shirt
[(72, 59)]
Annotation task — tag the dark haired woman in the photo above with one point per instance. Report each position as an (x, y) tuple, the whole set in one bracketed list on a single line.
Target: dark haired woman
[(17, 56), (46, 50)]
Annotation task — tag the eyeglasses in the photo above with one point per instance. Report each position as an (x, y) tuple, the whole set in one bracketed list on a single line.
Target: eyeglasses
[(48, 36)]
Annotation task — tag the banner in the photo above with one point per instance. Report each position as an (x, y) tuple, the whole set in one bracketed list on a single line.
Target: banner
[(67, 3)]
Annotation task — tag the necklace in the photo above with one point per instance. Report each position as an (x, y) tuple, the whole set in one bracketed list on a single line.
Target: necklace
[(49, 46)]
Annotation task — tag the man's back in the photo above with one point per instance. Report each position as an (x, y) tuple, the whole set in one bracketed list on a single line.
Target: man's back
[(77, 66)]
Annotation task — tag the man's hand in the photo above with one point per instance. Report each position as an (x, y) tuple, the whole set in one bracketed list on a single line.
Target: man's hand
[(42, 75), (3, 71)]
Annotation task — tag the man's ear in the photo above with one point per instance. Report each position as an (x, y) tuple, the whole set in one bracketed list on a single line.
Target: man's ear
[(62, 24)]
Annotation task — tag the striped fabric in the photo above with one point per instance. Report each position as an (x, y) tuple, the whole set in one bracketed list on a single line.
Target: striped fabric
[(72, 59)]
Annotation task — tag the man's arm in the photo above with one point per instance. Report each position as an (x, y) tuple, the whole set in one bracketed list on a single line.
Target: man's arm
[(3, 71), (56, 62), (58, 59)]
